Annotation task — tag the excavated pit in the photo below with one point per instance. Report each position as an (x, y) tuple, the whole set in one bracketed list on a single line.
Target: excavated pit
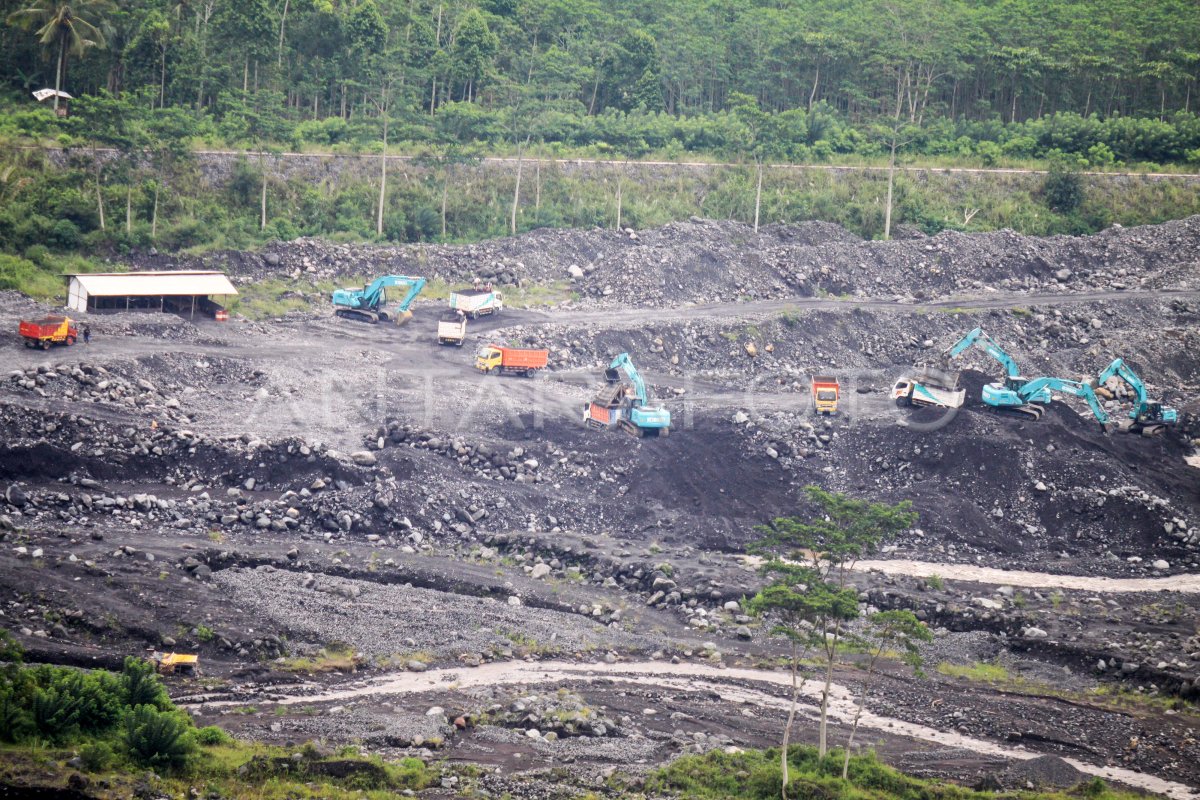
[(307, 484)]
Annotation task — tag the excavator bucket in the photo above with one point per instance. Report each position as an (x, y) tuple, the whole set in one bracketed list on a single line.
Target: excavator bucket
[(402, 317), (612, 375)]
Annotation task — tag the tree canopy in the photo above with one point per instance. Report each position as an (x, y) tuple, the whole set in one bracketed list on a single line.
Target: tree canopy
[(1005, 61)]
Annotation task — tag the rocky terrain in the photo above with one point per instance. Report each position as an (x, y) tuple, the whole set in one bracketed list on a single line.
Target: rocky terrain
[(368, 541), (690, 262)]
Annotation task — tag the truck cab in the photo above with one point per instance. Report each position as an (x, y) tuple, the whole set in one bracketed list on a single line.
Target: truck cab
[(488, 358)]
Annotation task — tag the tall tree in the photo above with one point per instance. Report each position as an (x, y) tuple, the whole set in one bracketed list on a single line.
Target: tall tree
[(886, 631), (827, 544), (473, 49), (67, 27)]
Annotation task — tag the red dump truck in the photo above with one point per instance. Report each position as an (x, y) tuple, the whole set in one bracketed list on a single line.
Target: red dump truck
[(511, 360), (49, 330)]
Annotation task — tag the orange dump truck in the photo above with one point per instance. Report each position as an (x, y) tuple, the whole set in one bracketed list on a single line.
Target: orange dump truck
[(50, 330), (825, 393), (511, 360)]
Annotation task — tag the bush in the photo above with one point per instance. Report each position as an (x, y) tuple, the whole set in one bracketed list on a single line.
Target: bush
[(989, 152), (39, 254), (10, 649), (211, 735), (64, 234), (159, 740), (55, 714), (97, 756), (98, 699), (15, 722), (1063, 188), (184, 234), (141, 684)]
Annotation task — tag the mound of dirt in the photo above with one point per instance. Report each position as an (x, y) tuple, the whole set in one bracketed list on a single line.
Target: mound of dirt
[(703, 261)]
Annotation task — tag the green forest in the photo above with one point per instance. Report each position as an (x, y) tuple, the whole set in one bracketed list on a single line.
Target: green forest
[(1075, 84), (1109, 80)]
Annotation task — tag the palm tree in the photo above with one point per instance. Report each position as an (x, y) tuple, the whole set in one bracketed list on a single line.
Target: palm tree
[(72, 26)]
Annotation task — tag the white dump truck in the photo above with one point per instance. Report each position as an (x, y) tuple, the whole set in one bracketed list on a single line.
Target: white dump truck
[(452, 328), (476, 302), (929, 386)]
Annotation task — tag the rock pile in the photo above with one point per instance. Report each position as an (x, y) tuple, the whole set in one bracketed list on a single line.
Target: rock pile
[(547, 716), (699, 261)]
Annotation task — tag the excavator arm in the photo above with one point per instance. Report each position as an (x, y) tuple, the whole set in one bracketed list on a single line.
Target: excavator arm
[(1073, 388), (623, 363), (365, 303), (977, 338), (1150, 416), (1120, 369), (414, 289), (373, 294)]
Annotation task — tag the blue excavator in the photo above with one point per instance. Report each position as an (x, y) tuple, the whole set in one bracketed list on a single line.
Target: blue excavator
[(625, 403), (1148, 417), (1085, 390), (1011, 393), (368, 303)]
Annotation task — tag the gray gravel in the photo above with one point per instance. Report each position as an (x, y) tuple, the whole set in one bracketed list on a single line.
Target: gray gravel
[(386, 620)]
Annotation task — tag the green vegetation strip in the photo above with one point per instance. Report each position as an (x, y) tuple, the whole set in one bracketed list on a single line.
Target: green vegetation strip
[(755, 775), (117, 724)]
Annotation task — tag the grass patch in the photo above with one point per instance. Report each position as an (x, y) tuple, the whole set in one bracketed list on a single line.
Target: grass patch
[(400, 660), (39, 273), (273, 297), (1124, 699), (980, 671), (539, 295), (755, 775), (229, 768), (789, 318), (333, 658)]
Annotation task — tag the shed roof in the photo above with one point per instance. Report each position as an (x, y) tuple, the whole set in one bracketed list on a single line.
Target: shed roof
[(154, 284)]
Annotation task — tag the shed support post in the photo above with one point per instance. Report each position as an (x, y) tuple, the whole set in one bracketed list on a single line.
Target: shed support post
[(193, 316)]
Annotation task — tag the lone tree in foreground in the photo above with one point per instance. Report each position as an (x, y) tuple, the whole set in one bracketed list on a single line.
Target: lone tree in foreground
[(809, 561)]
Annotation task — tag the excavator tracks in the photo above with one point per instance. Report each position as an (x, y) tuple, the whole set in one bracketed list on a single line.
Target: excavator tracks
[(360, 316), (1031, 412)]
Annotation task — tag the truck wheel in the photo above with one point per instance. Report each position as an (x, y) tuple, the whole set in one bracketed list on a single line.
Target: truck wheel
[(70, 341), (45, 344)]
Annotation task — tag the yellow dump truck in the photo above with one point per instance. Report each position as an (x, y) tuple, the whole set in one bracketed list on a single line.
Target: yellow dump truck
[(825, 393), (171, 663)]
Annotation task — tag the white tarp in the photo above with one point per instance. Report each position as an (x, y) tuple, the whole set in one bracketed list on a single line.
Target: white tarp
[(152, 284), (42, 94)]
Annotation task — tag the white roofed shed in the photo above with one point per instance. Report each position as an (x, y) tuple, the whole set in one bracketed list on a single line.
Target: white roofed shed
[(147, 291)]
